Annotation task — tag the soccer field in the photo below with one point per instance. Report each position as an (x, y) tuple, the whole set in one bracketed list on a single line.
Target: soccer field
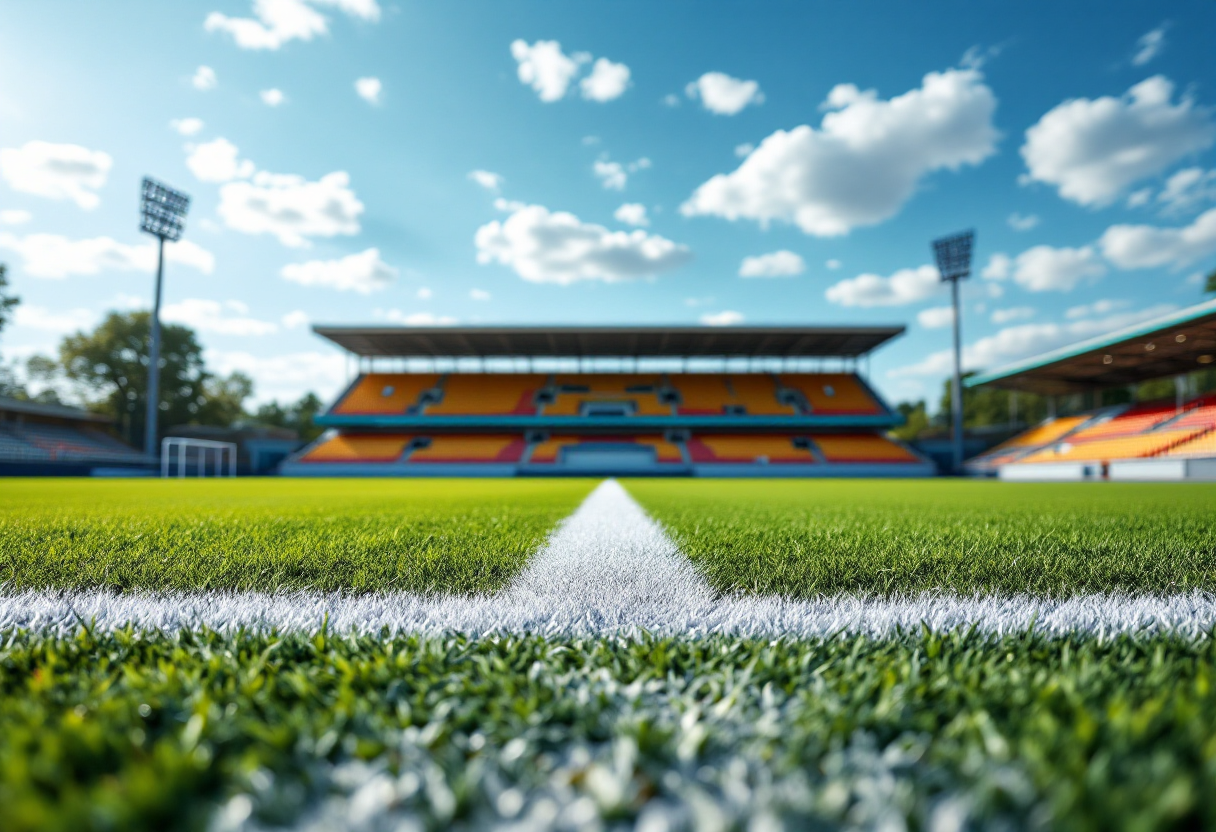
[(345, 678)]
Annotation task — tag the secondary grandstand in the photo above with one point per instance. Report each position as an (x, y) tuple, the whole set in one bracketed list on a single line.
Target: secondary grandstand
[(42, 439), (691, 401), (1171, 439)]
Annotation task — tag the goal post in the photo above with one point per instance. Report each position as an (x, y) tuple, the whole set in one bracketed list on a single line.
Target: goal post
[(196, 457)]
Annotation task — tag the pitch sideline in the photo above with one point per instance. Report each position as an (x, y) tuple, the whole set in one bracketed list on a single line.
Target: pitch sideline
[(608, 568)]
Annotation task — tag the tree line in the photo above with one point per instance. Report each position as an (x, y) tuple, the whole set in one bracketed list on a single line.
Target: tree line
[(106, 370)]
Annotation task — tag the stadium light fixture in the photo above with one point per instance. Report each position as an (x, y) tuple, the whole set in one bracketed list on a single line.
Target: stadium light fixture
[(163, 211), (953, 255)]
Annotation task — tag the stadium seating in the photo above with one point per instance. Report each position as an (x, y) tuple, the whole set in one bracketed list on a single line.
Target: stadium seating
[(358, 448), (1134, 420), (636, 395), (1201, 414), (706, 394), (1119, 447), (488, 394), (1202, 445), (748, 448), (63, 443), (844, 448), (471, 448), (549, 451), (832, 393), (385, 393)]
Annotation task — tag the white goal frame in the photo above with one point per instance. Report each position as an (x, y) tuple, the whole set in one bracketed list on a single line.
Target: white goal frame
[(204, 447)]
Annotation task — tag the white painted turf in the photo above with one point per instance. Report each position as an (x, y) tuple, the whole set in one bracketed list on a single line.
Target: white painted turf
[(608, 568)]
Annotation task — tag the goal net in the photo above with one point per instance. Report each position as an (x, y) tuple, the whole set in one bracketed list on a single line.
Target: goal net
[(182, 457)]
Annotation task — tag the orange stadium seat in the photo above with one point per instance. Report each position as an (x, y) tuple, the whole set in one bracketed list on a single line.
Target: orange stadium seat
[(548, 451), (1202, 445), (758, 394), (861, 447), (371, 447), (1041, 434), (1132, 421), (385, 393), (1119, 447), (711, 395), (608, 388), (746, 448), (471, 448), (832, 393), (488, 394), (1203, 416)]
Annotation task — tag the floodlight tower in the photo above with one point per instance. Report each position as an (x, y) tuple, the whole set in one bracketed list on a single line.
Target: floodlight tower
[(954, 264), (163, 212)]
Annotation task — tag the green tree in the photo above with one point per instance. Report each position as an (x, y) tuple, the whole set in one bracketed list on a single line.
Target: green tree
[(917, 420), (1210, 285), (7, 301), (300, 416), (986, 406), (110, 367)]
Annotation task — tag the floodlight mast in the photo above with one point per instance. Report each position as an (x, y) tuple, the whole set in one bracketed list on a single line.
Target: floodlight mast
[(163, 214), (953, 256)]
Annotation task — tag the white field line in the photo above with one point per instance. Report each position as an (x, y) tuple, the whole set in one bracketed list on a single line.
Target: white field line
[(607, 569)]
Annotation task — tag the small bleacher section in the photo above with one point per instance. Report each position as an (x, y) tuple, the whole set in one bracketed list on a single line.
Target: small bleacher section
[(1151, 430), (48, 438)]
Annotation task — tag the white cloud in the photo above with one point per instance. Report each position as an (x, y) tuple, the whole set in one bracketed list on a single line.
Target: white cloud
[(479, 294), (61, 321), (15, 216), (935, 317), (56, 171), (1098, 307), (507, 206), (545, 68), (284, 377), (590, 141), (217, 161), (864, 161), (607, 81), (1022, 341), (186, 126), (1188, 189), (54, 256), (416, 318), (212, 316), (1019, 222), (557, 247), (486, 179), (272, 97), (833, 264), (727, 317), (671, 100), (424, 293), (204, 79), (1150, 45), (744, 150), (903, 287), (295, 319), (1092, 150), (614, 175), (724, 95), (1139, 198), (1011, 314), (363, 273), (775, 264), (290, 207), (1148, 246), (369, 89), (1047, 269), (276, 22), (632, 213)]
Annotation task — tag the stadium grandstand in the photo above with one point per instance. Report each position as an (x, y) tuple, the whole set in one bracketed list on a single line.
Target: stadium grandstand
[(1172, 439), (691, 401), (51, 439)]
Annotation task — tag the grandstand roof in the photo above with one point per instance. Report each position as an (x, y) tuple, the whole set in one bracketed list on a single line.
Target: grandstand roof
[(1177, 343), (54, 411), (614, 341)]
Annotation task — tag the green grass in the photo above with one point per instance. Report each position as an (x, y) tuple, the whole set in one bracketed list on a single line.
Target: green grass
[(131, 731), (358, 535), (807, 538)]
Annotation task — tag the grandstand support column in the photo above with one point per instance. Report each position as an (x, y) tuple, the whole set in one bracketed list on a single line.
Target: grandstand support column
[(956, 394), (953, 256)]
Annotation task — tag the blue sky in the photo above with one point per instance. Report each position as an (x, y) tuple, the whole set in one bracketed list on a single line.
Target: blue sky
[(358, 161)]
